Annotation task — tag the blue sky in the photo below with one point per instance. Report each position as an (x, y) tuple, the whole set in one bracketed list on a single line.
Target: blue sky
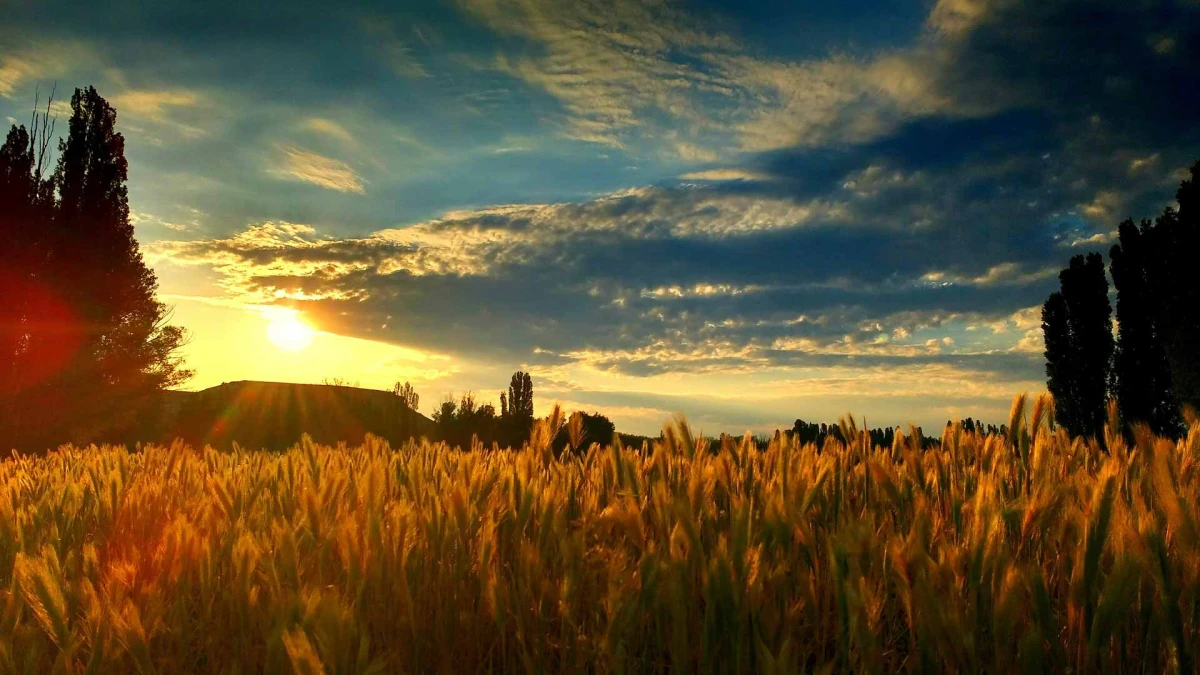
[(748, 212)]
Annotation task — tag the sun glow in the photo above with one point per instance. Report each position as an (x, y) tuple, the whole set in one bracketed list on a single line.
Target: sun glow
[(287, 332)]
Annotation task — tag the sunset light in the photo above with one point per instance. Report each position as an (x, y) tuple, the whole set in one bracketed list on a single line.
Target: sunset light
[(287, 332), (615, 336)]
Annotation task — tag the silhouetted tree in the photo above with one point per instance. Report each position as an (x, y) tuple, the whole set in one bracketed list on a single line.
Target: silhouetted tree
[(444, 415), (339, 381), (804, 432), (91, 346), (1185, 331), (520, 396), (1141, 370), (592, 428), (1175, 287), (26, 297), (18, 248), (516, 409), (458, 423), (407, 394), (1077, 327)]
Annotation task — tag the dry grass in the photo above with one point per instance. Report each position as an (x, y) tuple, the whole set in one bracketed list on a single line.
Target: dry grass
[(1019, 554)]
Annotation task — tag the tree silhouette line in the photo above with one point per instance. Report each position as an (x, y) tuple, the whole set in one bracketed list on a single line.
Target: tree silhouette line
[(1152, 366), (812, 432), (464, 423)]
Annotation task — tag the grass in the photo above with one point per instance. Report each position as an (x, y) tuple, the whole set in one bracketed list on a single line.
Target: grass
[(1024, 553)]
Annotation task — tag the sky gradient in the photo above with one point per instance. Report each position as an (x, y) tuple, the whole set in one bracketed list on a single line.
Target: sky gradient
[(748, 214)]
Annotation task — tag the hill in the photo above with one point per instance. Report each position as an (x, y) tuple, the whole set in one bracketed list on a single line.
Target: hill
[(274, 415)]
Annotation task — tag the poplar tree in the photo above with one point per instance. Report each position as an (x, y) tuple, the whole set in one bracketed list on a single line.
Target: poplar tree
[(86, 343), (1077, 327)]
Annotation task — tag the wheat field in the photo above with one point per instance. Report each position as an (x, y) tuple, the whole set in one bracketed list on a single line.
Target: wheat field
[(1023, 553)]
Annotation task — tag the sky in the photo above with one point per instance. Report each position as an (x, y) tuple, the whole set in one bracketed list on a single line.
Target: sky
[(748, 212)]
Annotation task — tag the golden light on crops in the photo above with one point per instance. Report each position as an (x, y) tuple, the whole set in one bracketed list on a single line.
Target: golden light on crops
[(682, 554), (289, 333)]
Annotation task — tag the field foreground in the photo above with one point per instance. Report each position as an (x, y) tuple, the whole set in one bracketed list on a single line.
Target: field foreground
[(1022, 553)]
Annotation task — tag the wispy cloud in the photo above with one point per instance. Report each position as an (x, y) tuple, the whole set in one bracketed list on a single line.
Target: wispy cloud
[(606, 62), (310, 167), (12, 72), (394, 51), (619, 68), (183, 113), (649, 72), (330, 128), (154, 104), (23, 63), (1002, 274), (727, 174)]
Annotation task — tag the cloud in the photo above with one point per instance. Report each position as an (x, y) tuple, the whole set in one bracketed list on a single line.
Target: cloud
[(1031, 342), (955, 17), (487, 242), (605, 61), (1103, 207), (726, 175), (330, 128), (481, 241), (394, 52), (1062, 58), (1027, 319), (12, 72), (648, 282), (183, 112), (141, 219), (153, 104), (634, 70), (277, 260), (24, 61), (619, 69), (310, 167), (1143, 163), (700, 290), (1006, 273), (809, 103)]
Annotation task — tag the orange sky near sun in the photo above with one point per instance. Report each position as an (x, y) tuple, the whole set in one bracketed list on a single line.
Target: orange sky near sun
[(231, 343)]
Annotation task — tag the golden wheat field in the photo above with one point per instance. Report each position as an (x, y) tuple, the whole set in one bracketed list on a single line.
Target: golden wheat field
[(1001, 554)]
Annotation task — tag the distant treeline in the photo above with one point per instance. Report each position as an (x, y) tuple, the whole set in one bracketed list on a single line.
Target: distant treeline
[(812, 432), (464, 423)]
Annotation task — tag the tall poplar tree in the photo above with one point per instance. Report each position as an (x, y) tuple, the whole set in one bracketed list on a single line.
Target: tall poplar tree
[(1141, 370), (88, 344), (1077, 327)]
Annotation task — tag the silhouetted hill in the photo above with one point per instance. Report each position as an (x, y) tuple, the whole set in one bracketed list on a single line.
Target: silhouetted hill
[(274, 415)]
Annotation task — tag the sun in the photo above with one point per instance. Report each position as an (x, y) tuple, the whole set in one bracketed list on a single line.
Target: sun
[(289, 333)]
